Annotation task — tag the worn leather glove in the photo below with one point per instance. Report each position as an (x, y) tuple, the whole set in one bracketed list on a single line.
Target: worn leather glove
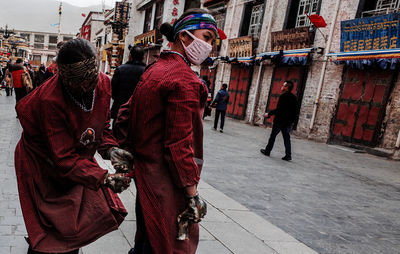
[(117, 182), (121, 160), (195, 211)]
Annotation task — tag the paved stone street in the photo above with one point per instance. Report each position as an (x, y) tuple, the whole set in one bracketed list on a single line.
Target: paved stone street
[(229, 227), (329, 197)]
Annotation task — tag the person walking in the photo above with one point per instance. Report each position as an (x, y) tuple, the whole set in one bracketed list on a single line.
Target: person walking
[(162, 126), (17, 70), (285, 114), (125, 79), (67, 199), (221, 103)]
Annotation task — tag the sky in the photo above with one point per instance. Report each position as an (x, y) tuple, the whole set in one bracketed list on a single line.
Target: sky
[(85, 3)]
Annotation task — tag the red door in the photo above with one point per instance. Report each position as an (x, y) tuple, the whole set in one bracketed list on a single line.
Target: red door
[(361, 106), (282, 73), (238, 91), (210, 73)]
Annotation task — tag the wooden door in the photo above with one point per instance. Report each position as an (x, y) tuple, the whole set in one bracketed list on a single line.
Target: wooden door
[(210, 73), (238, 91), (361, 105)]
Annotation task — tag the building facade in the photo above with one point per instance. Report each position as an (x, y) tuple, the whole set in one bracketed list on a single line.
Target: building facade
[(345, 75), (36, 47)]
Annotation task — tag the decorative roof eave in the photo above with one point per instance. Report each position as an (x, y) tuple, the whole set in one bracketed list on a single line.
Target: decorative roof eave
[(209, 3)]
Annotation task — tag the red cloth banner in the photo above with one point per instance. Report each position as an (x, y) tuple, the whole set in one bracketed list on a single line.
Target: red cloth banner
[(85, 32)]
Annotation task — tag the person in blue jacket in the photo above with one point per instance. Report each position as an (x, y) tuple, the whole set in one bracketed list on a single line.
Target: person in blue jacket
[(221, 103)]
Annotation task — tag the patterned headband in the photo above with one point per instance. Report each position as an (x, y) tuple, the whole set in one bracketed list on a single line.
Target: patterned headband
[(77, 72), (194, 22)]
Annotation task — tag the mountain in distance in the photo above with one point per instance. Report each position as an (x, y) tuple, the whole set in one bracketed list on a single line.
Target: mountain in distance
[(38, 15)]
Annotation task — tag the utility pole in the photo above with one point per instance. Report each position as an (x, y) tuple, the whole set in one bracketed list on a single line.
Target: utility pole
[(59, 22)]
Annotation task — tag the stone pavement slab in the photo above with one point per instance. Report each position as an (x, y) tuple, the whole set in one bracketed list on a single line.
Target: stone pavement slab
[(227, 228)]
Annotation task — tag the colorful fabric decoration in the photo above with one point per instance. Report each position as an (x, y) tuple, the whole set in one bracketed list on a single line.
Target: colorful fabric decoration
[(384, 59)]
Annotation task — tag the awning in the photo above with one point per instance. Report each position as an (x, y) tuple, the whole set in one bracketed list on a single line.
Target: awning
[(384, 59), (289, 57)]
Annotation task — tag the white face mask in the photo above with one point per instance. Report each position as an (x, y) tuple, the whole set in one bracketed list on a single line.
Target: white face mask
[(197, 51)]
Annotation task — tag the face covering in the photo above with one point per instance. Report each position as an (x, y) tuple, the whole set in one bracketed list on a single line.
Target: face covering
[(197, 51)]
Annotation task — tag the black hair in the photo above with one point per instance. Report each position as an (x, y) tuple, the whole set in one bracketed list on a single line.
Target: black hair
[(168, 30), (18, 61), (75, 50), (224, 86), (137, 53), (290, 85)]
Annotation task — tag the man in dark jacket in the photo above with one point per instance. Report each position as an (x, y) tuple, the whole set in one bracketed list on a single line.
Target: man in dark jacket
[(126, 78), (221, 102), (285, 114)]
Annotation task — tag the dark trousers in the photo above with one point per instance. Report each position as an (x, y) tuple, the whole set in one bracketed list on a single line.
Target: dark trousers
[(8, 91), (217, 113), (30, 251), (286, 139), (19, 93)]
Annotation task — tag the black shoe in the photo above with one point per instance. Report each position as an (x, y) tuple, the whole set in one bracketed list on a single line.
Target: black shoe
[(221, 131), (263, 151), (287, 158)]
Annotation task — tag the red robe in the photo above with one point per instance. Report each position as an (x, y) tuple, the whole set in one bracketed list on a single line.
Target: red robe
[(162, 126), (59, 181)]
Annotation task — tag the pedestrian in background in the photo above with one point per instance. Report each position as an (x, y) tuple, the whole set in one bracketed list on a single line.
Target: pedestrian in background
[(162, 126), (40, 76), (125, 79), (17, 70), (67, 199), (221, 104), (285, 114)]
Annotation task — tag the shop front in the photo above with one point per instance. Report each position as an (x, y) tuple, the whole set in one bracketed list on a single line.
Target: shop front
[(151, 42), (240, 79), (371, 55)]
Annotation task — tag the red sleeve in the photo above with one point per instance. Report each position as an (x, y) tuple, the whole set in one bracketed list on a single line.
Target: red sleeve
[(182, 104), (63, 154)]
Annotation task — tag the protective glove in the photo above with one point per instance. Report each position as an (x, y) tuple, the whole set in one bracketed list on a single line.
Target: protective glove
[(195, 211), (121, 160), (117, 182)]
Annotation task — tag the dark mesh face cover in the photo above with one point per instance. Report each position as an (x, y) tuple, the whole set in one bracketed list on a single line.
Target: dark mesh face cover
[(76, 74)]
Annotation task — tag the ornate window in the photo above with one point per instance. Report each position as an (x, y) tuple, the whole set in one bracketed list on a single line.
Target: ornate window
[(308, 7), (377, 7), (387, 4), (255, 20)]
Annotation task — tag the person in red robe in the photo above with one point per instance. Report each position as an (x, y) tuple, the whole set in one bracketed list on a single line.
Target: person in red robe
[(67, 199), (162, 126)]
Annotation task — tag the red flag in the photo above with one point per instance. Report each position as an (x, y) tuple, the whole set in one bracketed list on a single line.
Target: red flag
[(83, 15), (221, 34), (317, 20)]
